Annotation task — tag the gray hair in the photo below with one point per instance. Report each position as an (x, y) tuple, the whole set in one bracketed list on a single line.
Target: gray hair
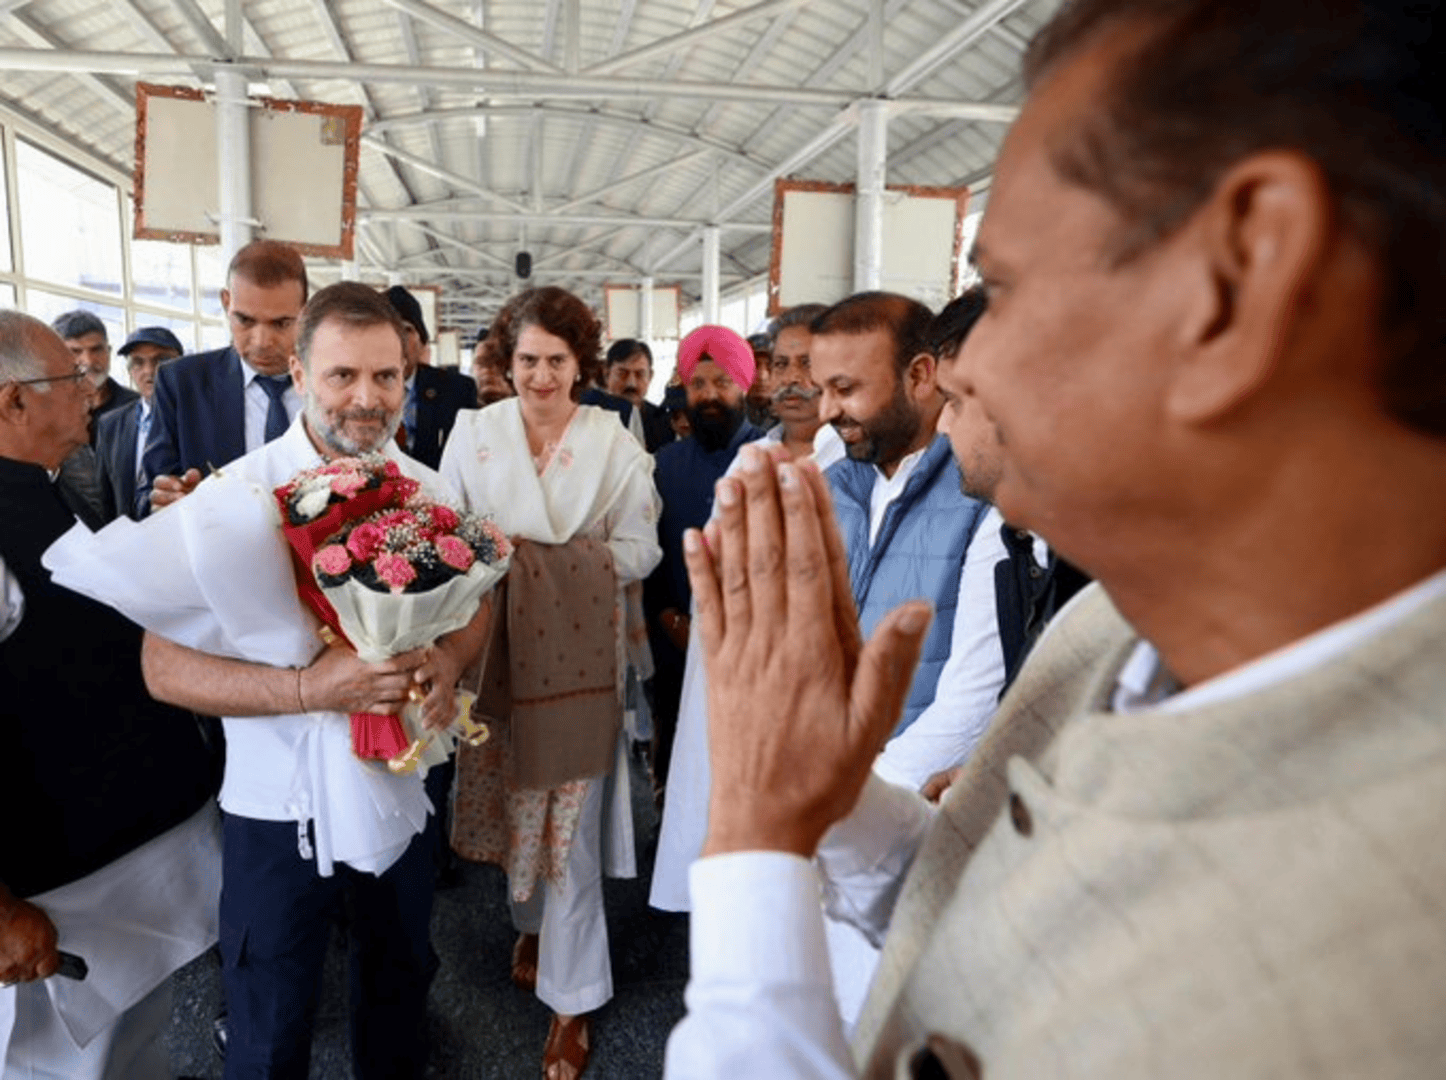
[(18, 357), (798, 315), (76, 324)]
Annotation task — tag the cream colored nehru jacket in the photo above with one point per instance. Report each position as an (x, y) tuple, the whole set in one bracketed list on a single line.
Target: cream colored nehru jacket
[(1253, 888)]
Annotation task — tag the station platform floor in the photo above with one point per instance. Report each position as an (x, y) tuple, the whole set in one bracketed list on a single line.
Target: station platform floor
[(481, 1026)]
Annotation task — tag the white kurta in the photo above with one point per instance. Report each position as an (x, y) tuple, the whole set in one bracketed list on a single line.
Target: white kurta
[(134, 922), (214, 573), (1207, 904), (597, 483)]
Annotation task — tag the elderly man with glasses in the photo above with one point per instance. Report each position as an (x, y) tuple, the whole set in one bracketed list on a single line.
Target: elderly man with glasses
[(110, 866)]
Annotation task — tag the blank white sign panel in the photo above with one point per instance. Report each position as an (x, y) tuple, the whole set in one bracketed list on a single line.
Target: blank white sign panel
[(181, 181), (302, 157), (813, 256), (816, 256), (624, 313), (919, 243), (303, 170)]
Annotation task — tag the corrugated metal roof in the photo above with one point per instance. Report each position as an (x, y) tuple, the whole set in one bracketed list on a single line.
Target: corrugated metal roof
[(561, 118)]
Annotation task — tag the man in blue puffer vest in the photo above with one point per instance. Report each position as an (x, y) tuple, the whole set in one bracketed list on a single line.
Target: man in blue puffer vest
[(909, 530)]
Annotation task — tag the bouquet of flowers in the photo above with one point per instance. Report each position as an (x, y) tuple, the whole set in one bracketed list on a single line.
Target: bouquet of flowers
[(389, 570)]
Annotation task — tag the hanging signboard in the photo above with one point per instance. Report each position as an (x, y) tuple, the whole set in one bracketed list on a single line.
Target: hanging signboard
[(624, 304), (813, 243), (303, 170)]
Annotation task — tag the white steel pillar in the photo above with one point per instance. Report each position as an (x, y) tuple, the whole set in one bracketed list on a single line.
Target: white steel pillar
[(869, 197), (645, 311), (710, 274), (233, 151)]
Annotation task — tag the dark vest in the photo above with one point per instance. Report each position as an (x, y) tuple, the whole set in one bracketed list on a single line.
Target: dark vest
[(919, 553), (95, 767), (1027, 596)]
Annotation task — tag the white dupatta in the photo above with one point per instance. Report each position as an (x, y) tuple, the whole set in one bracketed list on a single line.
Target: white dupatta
[(597, 483)]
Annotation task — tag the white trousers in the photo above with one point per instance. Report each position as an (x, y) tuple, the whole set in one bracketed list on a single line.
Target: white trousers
[(131, 1047), (574, 974)]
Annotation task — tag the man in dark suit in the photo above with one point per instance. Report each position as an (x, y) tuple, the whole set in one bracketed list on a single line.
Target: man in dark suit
[(630, 371), (212, 407), (433, 394), (121, 434), (85, 336)]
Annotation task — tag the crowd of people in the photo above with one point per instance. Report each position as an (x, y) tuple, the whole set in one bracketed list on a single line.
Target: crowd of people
[(938, 805)]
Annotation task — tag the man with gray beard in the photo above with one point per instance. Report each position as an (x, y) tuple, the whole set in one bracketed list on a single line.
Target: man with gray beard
[(304, 820)]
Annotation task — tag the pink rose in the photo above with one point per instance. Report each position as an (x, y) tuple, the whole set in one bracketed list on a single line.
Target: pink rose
[(365, 541), (455, 553), (348, 484), (333, 560), (395, 571), (445, 519), (390, 470)]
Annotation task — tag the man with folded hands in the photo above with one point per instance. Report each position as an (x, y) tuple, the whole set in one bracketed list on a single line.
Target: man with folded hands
[(1202, 836)]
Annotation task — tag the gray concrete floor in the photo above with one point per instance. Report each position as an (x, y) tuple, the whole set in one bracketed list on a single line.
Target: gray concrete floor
[(481, 1026)]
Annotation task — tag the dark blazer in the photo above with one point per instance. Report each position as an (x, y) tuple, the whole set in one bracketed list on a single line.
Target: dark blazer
[(199, 418), (600, 398), (441, 392), (124, 768), (118, 398), (657, 428), (115, 452)]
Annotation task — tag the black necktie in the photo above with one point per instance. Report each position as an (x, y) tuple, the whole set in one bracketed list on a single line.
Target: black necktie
[(276, 419)]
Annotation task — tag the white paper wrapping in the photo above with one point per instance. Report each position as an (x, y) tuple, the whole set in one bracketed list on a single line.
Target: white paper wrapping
[(211, 572), (383, 624)]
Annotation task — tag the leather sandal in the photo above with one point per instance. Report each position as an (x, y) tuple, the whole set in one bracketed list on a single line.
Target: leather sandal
[(524, 963), (568, 1046)]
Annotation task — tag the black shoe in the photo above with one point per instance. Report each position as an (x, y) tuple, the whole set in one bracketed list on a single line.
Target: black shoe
[(219, 1034)]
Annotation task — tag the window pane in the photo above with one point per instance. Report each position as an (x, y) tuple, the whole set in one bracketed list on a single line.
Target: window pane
[(210, 276), (184, 329), (6, 256), (734, 314), (214, 336), (7, 295), (160, 270), (69, 226), (47, 307)]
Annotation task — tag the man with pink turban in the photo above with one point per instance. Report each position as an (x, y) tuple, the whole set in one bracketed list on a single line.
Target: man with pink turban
[(716, 368)]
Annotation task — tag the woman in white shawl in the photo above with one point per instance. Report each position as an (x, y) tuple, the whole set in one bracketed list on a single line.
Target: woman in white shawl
[(562, 476)]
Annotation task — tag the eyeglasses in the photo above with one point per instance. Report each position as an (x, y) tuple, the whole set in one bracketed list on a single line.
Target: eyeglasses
[(81, 372)]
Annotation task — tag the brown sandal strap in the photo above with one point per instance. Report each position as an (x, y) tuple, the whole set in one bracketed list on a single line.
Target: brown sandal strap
[(524, 962), (569, 1044)]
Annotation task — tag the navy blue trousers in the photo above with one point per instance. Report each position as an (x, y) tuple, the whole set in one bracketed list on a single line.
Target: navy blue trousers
[(276, 919)]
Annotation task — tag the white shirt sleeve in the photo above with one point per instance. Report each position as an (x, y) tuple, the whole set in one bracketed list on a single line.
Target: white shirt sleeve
[(760, 1000), (863, 859), (967, 694)]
